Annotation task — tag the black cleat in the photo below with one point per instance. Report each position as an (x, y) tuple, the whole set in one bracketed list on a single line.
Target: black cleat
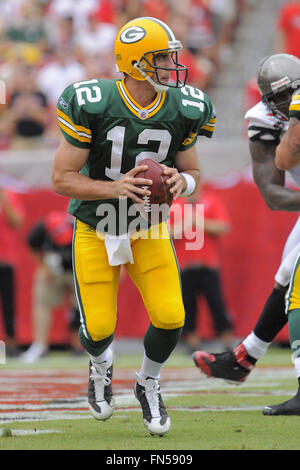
[(232, 366), (156, 419), (288, 408)]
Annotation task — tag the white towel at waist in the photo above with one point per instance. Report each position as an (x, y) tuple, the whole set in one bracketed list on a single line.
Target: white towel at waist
[(118, 249)]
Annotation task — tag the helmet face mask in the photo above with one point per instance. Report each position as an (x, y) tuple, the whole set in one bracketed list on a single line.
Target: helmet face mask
[(278, 77), (149, 64), (139, 48), (279, 103)]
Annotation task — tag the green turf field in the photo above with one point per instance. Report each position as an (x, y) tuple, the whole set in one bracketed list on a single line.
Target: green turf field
[(44, 407)]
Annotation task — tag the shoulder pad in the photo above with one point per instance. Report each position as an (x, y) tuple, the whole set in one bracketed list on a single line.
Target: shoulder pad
[(260, 116), (192, 102), (89, 95), (75, 108)]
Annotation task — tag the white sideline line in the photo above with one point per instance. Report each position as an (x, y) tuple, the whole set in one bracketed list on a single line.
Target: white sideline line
[(29, 432)]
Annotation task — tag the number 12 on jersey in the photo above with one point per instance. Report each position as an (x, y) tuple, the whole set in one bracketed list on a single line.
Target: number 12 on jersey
[(194, 93), (117, 136)]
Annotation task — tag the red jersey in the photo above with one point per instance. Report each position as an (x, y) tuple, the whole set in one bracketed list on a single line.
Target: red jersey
[(156, 9), (208, 255), (289, 23)]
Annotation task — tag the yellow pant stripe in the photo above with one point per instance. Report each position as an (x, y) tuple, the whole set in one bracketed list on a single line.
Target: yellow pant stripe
[(293, 297)]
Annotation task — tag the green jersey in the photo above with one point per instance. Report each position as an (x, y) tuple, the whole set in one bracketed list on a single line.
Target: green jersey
[(101, 115), (294, 110)]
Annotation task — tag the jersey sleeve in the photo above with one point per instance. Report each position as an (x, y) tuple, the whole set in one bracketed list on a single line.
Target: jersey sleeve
[(203, 124), (207, 129), (73, 119), (263, 125), (258, 132), (294, 110)]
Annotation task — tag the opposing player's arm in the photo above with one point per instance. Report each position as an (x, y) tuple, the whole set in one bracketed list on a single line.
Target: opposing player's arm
[(269, 179), (288, 151), (68, 181), (186, 162)]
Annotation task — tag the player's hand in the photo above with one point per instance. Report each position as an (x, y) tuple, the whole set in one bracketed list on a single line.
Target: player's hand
[(131, 186), (176, 182)]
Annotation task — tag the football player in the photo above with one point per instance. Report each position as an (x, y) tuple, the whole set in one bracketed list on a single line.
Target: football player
[(278, 77), (109, 127), (288, 158), (288, 151)]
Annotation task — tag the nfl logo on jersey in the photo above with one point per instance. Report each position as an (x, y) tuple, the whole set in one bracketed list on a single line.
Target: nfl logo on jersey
[(143, 113)]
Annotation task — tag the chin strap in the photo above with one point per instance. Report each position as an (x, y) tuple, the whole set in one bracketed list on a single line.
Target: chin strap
[(158, 87)]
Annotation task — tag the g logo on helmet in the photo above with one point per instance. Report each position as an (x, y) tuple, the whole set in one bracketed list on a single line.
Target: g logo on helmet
[(133, 34)]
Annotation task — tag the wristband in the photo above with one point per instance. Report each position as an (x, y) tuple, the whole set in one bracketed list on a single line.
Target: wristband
[(190, 184)]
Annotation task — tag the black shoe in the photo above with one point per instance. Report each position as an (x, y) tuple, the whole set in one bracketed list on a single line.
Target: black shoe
[(232, 366), (156, 418), (100, 395), (288, 408)]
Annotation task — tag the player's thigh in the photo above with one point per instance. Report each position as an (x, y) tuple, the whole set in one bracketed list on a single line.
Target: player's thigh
[(96, 283), (156, 275), (293, 294), (292, 240)]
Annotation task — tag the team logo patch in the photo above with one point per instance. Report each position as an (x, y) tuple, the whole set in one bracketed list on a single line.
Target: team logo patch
[(63, 103), (132, 34)]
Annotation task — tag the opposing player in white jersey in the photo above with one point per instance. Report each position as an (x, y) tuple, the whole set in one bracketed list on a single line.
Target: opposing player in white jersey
[(287, 158), (278, 76)]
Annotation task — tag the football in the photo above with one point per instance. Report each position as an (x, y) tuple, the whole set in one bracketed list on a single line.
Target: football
[(160, 194)]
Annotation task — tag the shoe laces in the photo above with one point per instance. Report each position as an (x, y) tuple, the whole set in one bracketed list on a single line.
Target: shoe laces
[(99, 374), (152, 395)]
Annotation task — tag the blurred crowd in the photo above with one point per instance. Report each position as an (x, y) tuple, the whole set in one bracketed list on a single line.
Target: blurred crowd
[(45, 45), (286, 40)]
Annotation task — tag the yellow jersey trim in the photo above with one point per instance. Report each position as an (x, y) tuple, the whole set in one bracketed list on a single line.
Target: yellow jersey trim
[(210, 125), (81, 133), (135, 108), (190, 138), (73, 134), (295, 103)]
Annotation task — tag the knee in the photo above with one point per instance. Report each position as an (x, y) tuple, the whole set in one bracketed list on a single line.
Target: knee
[(100, 326), (169, 315)]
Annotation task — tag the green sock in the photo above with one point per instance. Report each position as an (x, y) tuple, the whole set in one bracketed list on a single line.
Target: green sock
[(95, 348), (159, 343)]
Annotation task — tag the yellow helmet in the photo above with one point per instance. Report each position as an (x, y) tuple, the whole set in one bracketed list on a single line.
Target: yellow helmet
[(136, 46)]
